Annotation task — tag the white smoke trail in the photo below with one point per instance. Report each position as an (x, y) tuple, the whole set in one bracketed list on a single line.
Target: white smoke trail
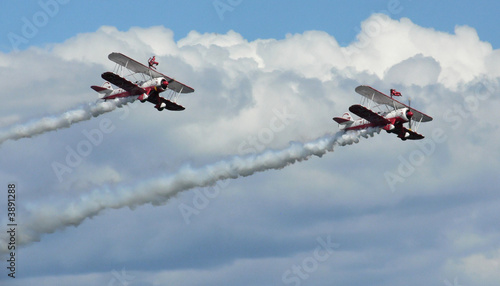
[(48, 219), (64, 120)]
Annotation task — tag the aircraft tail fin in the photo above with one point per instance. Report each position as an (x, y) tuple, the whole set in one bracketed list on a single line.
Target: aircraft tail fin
[(105, 89), (345, 119)]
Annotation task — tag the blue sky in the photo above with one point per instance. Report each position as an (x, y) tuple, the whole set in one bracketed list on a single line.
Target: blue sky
[(252, 19), (397, 213)]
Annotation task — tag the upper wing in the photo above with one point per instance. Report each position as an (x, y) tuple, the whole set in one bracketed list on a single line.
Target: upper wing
[(119, 81), (137, 67), (369, 115), (380, 98)]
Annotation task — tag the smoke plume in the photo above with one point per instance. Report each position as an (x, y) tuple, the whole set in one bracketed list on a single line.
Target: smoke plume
[(64, 120), (48, 219)]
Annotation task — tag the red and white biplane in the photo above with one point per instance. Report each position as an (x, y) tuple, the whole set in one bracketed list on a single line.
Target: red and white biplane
[(390, 115), (147, 88)]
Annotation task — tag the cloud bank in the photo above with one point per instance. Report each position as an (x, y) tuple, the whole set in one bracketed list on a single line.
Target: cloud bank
[(253, 96)]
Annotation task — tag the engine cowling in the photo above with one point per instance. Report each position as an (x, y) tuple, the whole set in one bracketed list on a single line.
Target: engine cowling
[(162, 83), (409, 114), (404, 113)]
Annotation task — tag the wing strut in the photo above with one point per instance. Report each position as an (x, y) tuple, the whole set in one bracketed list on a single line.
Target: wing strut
[(178, 93)]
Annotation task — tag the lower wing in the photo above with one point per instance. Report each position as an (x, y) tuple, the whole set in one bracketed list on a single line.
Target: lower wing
[(163, 103), (119, 81), (369, 115), (411, 135)]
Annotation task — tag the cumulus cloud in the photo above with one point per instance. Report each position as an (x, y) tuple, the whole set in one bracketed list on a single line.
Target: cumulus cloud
[(384, 42), (418, 70), (236, 71)]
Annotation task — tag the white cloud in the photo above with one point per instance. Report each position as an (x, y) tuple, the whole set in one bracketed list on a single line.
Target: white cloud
[(462, 56), (418, 70), (243, 88), (479, 269)]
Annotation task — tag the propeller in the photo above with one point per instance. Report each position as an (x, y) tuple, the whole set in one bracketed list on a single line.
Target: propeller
[(164, 83), (409, 114)]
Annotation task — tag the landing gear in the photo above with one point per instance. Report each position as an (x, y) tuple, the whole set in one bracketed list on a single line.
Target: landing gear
[(143, 97), (160, 105)]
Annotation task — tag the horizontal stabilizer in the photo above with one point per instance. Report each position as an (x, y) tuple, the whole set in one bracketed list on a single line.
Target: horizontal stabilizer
[(100, 89), (106, 89), (345, 119), (341, 120)]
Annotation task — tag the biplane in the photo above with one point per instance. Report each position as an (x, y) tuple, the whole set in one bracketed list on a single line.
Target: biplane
[(390, 114), (147, 86)]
